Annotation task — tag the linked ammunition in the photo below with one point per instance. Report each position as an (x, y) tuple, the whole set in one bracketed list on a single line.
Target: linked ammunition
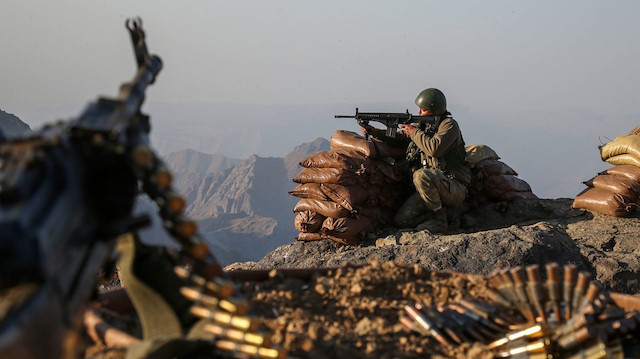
[(251, 350), (576, 322), (489, 316), (518, 275), (507, 288), (600, 350), (478, 319), (590, 296), (579, 337), (554, 290), (498, 298), (534, 284), (533, 332), (258, 339), (570, 271), (539, 347), (162, 178), (232, 305), (580, 289), (412, 325), (427, 324), (226, 319), (218, 287), (444, 323)]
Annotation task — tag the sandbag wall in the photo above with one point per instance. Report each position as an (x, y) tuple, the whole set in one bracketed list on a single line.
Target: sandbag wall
[(493, 180), (615, 191), (347, 191)]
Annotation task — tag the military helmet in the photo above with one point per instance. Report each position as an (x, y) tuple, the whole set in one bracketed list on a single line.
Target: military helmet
[(433, 100)]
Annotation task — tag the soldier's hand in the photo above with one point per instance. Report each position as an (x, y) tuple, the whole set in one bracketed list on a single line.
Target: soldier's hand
[(408, 129), (370, 130)]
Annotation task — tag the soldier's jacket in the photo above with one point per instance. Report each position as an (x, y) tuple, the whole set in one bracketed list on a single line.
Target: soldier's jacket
[(441, 146)]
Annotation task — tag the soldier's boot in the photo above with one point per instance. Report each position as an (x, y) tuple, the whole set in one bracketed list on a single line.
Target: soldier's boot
[(437, 224)]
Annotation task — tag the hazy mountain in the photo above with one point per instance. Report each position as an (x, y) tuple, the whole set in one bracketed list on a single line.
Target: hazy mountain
[(241, 206), (191, 167), (12, 126), (299, 153)]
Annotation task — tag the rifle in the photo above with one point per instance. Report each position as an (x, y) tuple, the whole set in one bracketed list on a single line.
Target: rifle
[(390, 119), (66, 193)]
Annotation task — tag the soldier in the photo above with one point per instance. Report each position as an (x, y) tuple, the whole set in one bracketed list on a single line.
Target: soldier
[(436, 159)]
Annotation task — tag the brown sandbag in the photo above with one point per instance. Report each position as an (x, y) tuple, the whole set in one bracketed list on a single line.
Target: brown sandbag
[(624, 159), (625, 171), (616, 184), (496, 186), (350, 230), (326, 175), (348, 160), (308, 237), (635, 131), (479, 152), (308, 221), (309, 190), (492, 167), (346, 196), (374, 148), (325, 208), (603, 201), (382, 172), (621, 145)]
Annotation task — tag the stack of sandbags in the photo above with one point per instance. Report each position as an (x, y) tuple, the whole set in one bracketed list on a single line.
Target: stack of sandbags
[(348, 191), (615, 191), (493, 180)]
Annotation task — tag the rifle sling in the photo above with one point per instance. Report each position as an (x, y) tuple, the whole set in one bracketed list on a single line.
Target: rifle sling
[(157, 318)]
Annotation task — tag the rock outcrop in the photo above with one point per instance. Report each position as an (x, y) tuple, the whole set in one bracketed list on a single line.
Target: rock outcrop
[(527, 232)]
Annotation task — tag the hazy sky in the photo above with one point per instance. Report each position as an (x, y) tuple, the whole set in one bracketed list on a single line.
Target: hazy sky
[(511, 55)]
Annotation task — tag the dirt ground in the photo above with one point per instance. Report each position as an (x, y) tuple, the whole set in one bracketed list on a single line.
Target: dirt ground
[(348, 312), (355, 311)]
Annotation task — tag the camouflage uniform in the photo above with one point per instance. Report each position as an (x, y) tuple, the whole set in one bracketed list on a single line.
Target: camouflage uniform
[(436, 156)]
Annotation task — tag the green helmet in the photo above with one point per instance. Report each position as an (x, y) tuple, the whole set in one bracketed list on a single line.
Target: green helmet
[(433, 100)]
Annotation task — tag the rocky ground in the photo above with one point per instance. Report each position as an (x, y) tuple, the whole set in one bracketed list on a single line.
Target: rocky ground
[(354, 311), (527, 232)]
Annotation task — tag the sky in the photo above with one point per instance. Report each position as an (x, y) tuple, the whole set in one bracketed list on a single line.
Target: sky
[(492, 54), (522, 64)]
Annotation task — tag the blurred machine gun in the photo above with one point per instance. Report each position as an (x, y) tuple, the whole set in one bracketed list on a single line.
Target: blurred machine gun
[(390, 119), (66, 198)]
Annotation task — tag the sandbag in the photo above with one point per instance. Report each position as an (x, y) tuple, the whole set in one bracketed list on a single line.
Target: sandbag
[(491, 167), (348, 160), (327, 175), (621, 145), (309, 190), (496, 186), (635, 131), (624, 159), (615, 184), (625, 171), (374, 148), (479, 152), (382, 172), (346, 196), (308, 237), (350, 230), (603, 201), (308, 221), (325, 208)]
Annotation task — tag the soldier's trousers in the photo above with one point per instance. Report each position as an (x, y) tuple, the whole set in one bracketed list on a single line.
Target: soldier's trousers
[(433, 191)]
